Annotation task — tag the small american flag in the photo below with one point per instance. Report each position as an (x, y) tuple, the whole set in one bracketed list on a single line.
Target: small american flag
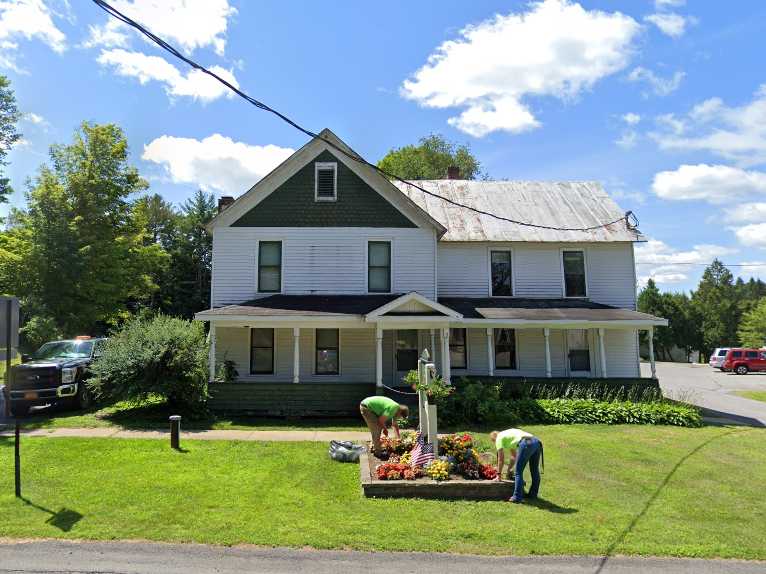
[(423, 451)]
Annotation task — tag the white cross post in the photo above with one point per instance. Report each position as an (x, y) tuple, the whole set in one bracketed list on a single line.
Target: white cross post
[(426, 412)]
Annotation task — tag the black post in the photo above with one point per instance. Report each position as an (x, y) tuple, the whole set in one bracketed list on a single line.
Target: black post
[(17, 460), (175, 432)]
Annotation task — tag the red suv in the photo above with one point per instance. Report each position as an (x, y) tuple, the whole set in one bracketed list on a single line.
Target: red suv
[(742, 361)]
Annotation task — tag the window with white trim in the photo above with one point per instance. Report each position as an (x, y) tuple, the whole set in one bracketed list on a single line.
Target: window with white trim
[(269, 266), (325, 181), (327, 352), (505, 349), (379, 266), (579, 350), (502, 274), (575, 284), (261, 351), (458, 348)]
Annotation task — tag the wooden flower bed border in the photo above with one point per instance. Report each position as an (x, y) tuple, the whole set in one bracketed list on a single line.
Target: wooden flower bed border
[(453, 489)]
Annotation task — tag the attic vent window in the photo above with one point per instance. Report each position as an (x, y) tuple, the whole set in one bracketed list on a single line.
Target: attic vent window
[(325, 181)]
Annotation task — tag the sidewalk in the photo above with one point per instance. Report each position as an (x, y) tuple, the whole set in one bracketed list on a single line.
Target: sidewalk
[(276, 436)]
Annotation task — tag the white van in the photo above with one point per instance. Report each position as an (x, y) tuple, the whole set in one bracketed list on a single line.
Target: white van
[(718, 357)]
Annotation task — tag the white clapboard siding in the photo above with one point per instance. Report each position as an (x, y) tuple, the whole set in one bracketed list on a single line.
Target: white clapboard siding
[(319, 260), (621, 353), (463, 270)]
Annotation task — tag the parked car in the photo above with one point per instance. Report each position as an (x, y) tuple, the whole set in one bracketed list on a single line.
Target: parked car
[(54, 375), (718, 357), (742, 361)]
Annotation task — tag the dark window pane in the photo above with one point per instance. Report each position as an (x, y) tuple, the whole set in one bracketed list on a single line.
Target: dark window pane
[(502, 284), (736, 353), (262, 351), (380, 253), (263, 337), (327, 338), (579, 360), (751, 354), (505, 349), (406, 359), (574, 273), (379, 280), (579, 354), (407, 339), (327, 362), (270, 253)]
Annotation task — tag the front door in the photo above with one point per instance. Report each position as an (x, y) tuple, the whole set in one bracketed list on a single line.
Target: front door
[(406, 353)]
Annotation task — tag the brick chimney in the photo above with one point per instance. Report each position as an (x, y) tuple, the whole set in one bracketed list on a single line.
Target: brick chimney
[(224, 201), (453, 172)]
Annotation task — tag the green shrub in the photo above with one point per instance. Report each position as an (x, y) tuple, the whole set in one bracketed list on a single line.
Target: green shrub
[(163, 356), (636, 390), (481, 403)]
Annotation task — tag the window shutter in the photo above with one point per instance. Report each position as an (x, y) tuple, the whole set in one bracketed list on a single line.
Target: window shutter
[(325, 182)]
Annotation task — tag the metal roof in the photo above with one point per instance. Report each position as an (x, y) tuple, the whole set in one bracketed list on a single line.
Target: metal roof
[(303, 305), (554, 204)]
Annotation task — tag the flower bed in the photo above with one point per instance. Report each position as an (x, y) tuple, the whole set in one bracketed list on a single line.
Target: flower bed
[(458, 463)]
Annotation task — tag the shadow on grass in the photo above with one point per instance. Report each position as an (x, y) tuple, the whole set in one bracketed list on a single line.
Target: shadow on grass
[(64, 519), (623, 535), (549, 506)]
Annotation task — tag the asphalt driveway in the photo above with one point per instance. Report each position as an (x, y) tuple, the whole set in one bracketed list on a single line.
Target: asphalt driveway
[(713, 390)]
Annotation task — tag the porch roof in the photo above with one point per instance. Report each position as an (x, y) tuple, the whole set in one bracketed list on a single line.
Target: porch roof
[(533, 309), (302, 306)]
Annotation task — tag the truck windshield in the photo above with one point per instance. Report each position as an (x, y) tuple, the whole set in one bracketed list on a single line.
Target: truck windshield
[(64, 349)]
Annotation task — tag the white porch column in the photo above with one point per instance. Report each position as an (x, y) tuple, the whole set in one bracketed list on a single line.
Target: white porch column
[(378, 358), (211, 356), (547, 336), (650, 332), (490, 354), (433, 344), (602, 350), (296, 354), (445, 355)]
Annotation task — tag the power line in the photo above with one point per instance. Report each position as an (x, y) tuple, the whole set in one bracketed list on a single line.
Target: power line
[(630, 219), (669, 263)]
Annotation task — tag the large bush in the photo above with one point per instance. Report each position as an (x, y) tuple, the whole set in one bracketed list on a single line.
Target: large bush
[(479, 403), (163, 356), (635, 390)]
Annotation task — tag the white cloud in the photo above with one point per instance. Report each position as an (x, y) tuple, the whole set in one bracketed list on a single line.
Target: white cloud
[(35, 119), (214, 163), (627, 140), (189, 24), (660, 86), (27, 19), (670, 23), (735, 133), (746, 213), (556, 48), (716, 184), (631, 119), (666, 265), (665, 4), (753, 235), (194, 84)]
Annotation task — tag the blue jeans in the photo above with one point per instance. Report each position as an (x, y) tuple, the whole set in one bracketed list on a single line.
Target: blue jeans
[(529, 451)]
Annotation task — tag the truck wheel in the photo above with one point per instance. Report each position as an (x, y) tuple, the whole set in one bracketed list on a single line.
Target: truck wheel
[(84, 397), (19, 410), (741, 369)]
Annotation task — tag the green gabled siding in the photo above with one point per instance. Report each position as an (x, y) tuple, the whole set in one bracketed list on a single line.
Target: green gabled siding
[(293, 205)]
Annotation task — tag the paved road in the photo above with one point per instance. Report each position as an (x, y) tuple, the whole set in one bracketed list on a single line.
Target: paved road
[(145, 558), (712, 389)]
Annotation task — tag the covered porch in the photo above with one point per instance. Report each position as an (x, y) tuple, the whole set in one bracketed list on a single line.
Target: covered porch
[(368, 343)]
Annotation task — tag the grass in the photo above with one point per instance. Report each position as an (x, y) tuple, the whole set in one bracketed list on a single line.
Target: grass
[(14, 361), (606, 490), (154, 414), (754, 395)]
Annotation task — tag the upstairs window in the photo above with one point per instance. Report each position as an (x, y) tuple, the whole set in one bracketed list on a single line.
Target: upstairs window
[(502, 284), (325, 181), (269, 266), (575, 284), (379, 267)]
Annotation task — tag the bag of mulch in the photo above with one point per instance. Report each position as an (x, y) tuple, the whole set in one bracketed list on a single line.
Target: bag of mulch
[(345, 451)]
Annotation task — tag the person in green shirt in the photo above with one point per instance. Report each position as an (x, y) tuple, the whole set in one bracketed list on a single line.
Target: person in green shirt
[(376, 411), (523, 448)]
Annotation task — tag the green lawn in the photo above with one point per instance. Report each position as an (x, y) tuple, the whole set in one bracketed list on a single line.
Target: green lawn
[(606, 490), (754, 395), (154, 414)]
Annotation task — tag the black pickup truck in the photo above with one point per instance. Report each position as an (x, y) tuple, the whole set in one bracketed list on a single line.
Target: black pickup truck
[(54, 375)]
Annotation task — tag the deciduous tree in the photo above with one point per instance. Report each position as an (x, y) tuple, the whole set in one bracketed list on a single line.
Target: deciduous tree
[(431, 159)]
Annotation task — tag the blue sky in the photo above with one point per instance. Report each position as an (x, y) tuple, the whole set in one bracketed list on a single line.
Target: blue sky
[(663, 102)]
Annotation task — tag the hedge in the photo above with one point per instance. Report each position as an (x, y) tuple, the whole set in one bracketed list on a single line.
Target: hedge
[(616, 389)]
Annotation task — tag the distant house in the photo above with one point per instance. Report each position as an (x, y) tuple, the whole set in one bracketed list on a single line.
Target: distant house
[(329, 281)]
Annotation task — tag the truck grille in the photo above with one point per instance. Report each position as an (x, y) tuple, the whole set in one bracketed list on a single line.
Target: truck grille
[(35, 378)]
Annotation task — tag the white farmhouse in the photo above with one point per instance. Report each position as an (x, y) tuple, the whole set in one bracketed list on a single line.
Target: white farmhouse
[(329, 281)]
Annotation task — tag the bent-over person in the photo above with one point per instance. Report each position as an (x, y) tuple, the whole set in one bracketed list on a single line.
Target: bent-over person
[(523, 448), (376, 411)]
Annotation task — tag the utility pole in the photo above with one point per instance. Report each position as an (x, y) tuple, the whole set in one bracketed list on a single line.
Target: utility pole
[(9, 325)]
